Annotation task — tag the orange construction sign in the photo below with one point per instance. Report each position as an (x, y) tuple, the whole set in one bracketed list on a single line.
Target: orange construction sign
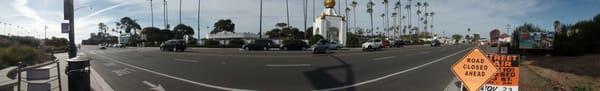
[(474, 69)]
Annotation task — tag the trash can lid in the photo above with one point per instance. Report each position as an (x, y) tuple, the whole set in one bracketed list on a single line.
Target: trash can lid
[(79, 58)]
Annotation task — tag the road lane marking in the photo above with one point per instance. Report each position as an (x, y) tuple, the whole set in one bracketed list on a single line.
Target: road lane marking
[(424, 52), (186, 60), (393, 74), (177, 78), (384, 58), (154, 87), (287, 65), (123, 72)]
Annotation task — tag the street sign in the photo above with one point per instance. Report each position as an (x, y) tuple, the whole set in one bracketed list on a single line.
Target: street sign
[(64, 27), (474, 69), (507, 78)]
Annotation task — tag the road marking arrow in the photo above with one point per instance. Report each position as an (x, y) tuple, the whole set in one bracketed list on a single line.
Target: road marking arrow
[(154, 87)]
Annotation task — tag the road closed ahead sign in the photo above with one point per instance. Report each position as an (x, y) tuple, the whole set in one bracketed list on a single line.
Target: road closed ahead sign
[(474, 69)]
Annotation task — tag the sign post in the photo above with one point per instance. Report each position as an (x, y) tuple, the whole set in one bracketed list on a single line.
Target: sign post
[(474, 69)]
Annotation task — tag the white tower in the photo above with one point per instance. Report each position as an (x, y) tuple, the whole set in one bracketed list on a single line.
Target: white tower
[(330, 25)]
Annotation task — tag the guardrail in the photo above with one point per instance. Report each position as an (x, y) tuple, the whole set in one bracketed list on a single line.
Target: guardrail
[(9, 76)]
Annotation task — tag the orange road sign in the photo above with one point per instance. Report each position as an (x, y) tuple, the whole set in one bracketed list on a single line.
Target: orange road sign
[(474, 69)]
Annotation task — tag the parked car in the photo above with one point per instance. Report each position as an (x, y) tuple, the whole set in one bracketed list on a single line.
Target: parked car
[(397, 43), (320, 47), (372, 44), (261, 44), (334, 45), (435, 43), (173, 45), (293, 44)]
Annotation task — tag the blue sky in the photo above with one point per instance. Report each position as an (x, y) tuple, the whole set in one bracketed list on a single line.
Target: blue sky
[(452, 16)]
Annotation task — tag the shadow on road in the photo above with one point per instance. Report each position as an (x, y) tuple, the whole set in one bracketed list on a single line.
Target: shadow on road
[(321, 79)]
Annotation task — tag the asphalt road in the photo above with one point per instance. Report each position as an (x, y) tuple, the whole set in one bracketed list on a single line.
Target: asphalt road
[(207, 69)]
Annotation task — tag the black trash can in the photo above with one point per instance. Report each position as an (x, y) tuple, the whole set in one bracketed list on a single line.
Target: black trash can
[(78, 72)]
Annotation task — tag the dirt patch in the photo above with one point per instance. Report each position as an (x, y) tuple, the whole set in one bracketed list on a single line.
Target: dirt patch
[(530, 81), (568, 73)]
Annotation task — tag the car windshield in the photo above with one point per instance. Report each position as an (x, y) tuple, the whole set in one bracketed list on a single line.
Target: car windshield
[(299, 45)]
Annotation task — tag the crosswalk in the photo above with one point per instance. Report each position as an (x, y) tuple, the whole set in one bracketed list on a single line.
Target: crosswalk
[(98, 52)]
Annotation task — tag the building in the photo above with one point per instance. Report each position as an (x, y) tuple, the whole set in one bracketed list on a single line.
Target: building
[(225, 36), (330, 25)]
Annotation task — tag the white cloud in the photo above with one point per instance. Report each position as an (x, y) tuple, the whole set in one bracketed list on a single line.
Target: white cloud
[(23, 9)]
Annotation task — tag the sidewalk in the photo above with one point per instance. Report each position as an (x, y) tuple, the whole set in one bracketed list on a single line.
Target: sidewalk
[(45, 78), (96, 81)]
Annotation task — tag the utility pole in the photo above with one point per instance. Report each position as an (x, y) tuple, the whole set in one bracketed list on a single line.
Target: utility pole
[(68, 10), (260, 21)]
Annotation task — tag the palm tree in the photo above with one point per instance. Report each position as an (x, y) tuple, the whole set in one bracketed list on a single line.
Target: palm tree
[(151, 13), (418, 15), (370, 11), (166, 15), (386, 19), (354, 3), (260, 20), (287, 10), (409, 10), (198, 24), (425, 5), (383, 21), (179, 11), (394, 27), (431, 25)]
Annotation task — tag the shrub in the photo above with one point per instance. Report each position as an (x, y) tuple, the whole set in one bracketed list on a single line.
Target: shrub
[(212, 43), (314, 39), (10, 56), (236, 43)]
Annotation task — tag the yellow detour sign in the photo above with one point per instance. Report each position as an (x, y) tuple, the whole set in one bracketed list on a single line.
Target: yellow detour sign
[(474, 69)]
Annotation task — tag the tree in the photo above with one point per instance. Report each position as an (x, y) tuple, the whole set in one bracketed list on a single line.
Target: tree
[(456, 37), (182, 30), (282, 31), (128, 24), (152, 34), (223, 25), (102, 31)]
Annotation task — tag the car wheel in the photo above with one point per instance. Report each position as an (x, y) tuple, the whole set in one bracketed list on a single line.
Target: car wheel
[(284, 48), (266, 48), (338, 48), (245, 48)]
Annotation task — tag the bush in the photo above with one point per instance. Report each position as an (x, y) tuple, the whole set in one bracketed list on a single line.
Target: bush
[(236, 43), (212, 43), (314, 39), (10, 56)]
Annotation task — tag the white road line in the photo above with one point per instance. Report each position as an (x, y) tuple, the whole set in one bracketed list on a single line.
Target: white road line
[(393, 74), (287, 65), (186, 60), (384, 58), (177, 78)]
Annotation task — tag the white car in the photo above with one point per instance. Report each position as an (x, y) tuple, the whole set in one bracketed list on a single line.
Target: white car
[(372, 44)]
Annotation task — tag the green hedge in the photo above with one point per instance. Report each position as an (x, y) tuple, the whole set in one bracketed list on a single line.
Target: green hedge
[(10, 56)]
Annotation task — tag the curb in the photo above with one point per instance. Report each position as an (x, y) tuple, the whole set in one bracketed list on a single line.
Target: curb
[(97, 82)]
